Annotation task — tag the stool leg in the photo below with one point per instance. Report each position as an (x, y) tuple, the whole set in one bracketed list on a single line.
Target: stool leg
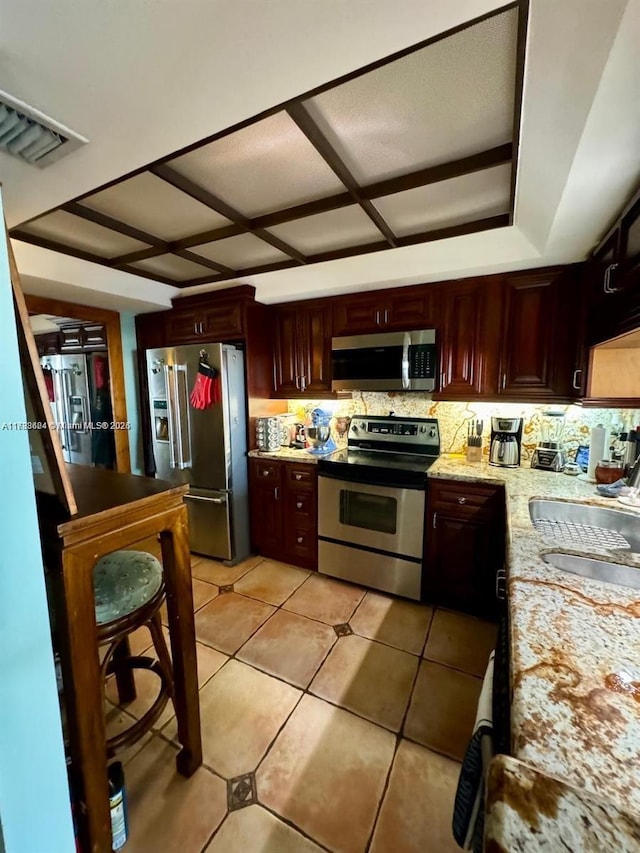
[(124, 675), (155, 627)]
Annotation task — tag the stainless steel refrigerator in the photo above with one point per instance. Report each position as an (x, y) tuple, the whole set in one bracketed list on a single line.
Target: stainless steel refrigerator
[(206, 448), (70, 404)]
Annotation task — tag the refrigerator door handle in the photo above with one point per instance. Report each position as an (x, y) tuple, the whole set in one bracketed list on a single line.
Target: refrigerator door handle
[(207, 500), (177, 401)]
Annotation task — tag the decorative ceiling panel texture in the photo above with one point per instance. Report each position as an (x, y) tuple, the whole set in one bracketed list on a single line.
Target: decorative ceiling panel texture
[(419, 146)]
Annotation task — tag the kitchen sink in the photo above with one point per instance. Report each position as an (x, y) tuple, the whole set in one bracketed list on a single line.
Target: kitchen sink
[(598, 570), (585, 526)]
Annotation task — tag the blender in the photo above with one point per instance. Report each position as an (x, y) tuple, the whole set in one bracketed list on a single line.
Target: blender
[(319, 433), (549, 455)]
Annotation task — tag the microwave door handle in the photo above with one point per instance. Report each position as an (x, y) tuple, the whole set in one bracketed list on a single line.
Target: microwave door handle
[(406, 382)]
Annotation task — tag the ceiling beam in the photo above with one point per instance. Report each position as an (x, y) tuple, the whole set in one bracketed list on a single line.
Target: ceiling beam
[(442, 172), (298, 113), (105, 221), (214, 203), (54, 246), (205, 262)]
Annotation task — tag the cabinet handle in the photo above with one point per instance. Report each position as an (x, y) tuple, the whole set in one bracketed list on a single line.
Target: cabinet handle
[(303, 383), (300, 540), (297, 379), (276, 493), (386, 316), (607, 278), (575, 382), (501, 584), (266, 473), (377, 318), (462, 500), (504, 381), (433, 522), (298, 476), (298, 504), (195, 328)]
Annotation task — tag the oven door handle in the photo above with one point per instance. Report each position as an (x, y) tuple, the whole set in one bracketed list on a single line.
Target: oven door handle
[(372, 480), (406, 382)]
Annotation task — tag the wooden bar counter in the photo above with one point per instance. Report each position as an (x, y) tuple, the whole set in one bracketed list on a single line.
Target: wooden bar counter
[(115, 511)]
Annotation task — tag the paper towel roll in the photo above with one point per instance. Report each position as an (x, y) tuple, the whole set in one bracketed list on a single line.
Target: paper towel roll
[(598, 449)]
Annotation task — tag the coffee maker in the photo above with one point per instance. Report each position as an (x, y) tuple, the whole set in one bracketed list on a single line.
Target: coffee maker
[(506, 436)]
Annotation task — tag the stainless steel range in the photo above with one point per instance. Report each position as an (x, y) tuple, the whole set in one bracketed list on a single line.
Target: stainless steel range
[(371, 503)]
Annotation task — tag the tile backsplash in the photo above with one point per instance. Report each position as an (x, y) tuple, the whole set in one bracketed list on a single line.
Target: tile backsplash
[(453, 417)]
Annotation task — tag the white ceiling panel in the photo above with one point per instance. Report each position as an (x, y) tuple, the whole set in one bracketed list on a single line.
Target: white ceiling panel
[(151, 204), (173, 267), (448, 203), (267, 166), (81, 234), (335, 229), (451, 99), (239, 252)]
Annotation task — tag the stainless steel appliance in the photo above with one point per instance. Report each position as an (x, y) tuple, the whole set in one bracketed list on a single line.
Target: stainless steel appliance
[(549, 454), (371, 503), (392, 361), (70, 405), (206, 448), (506, 436)]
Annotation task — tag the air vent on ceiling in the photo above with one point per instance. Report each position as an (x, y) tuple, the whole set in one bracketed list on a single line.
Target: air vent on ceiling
[(32, 136)]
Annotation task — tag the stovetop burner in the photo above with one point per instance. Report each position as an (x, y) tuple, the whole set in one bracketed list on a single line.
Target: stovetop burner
[(386, 449)]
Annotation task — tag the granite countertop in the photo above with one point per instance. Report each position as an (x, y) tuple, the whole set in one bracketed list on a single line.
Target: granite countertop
[(527, 810), (575, 649), (286, 454)]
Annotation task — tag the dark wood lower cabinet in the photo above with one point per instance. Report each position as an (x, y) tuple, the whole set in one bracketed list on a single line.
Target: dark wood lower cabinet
[(283, 503), (464, 546)]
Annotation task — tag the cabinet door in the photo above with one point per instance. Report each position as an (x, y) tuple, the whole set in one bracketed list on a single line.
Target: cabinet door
[(95, 335), (358, 315), (461, 563), (223, 321), (464, 363), (314, 349), (630, 246), (184, 327), (286, 372), (266, 505), (414, 310), (528, 362), (71, 338)]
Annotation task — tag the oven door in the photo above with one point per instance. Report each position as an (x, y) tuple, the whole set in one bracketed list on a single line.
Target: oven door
[(381, 518)]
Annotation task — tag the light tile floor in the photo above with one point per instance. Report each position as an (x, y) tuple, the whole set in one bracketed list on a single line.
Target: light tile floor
[(333, 718)]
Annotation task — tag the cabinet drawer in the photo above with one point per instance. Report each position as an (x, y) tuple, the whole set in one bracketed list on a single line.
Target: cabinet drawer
[(302, 543), (267, 470), (302, 508), (301, 476), (464, 498)]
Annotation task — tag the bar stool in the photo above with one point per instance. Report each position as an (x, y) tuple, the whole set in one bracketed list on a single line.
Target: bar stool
[(129, 591)]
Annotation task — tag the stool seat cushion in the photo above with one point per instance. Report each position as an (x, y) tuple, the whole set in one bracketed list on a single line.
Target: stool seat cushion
[(123, 581)]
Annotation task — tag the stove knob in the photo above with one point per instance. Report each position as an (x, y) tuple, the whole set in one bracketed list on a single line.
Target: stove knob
[(423, 429), (362, 425), (432, 433)]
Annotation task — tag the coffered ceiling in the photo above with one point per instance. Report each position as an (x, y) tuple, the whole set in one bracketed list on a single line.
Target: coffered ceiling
[(276, 143), (416, 147)]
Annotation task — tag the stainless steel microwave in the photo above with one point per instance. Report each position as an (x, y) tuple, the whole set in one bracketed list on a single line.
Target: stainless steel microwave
[(392, 361)]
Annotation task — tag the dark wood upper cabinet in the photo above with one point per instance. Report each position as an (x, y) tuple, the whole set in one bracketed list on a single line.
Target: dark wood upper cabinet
[(471, 312), (531, 359), (401, 309), (629, 246), (221, 320), (302, 349)]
